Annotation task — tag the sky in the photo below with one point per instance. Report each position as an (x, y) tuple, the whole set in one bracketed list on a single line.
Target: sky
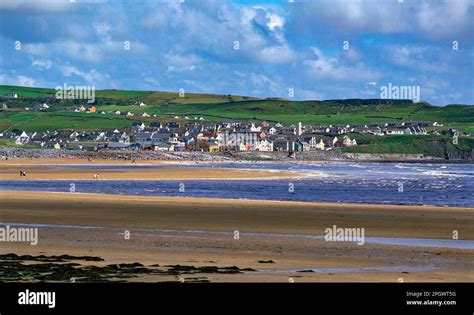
[(302, 50)]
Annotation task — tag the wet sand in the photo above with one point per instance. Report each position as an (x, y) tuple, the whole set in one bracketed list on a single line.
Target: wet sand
[(148, 219), (77, 160), (50, 172)]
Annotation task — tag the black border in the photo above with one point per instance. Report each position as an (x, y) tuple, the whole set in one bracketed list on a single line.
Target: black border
[(127, 297)]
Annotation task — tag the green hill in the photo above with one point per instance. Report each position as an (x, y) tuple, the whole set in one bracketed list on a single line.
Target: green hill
[(213, 107)]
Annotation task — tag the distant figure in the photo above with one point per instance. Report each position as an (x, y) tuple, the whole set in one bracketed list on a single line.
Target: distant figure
[(96, 176), (133, 161), (22, 173)]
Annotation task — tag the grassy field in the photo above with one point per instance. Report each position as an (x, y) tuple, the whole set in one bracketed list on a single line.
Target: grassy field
[(11, 143), (151, 97), (216, 107), (430, 145)]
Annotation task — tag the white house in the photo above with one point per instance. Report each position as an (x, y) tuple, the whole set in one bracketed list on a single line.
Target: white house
[(416, 130), (22, 138), (11, 95), (391, 131), (254, 128), (264, 145), (272, 131), (347, 142)]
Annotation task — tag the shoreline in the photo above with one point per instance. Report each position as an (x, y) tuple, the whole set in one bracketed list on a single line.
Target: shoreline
[(50, 172), (157, 227), (390, 241), (413, 207), (161, 157), (109, 162), (267, 216)]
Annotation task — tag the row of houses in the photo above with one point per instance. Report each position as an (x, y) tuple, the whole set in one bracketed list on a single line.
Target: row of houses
[(227, 135), (189, 136), (378, 129)]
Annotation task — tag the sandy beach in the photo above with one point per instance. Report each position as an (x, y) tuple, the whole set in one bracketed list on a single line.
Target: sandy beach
[(56, 172), (201, 232), (81, 160)]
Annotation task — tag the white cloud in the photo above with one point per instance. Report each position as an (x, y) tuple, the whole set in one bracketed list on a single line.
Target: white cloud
[(26, 81), (103, 30), (91, 77), (275, 54), (262, 83), (17, 80), (259, 31), (36, 49), (42, 64), (45, 5), (420, 58), (92, 52), (332, 68), (435, 19), (177, 62)]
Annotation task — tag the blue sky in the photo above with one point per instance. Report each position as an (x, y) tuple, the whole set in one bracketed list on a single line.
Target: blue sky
[(282, 45)]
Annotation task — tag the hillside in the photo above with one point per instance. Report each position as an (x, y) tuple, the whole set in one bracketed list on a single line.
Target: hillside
[(429, 145), (213, 107)]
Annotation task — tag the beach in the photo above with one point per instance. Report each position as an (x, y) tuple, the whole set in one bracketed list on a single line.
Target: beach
[(272, 236), (73, 160), (49, 170)]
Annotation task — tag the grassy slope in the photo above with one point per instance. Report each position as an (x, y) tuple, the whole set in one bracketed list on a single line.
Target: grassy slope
[(144, 96), (429, 145), (217, 107)]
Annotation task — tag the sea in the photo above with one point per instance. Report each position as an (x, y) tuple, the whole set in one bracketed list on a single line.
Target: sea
[(340, 182)]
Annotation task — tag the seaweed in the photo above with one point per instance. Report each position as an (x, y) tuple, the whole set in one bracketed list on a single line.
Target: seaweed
[(64, 268)]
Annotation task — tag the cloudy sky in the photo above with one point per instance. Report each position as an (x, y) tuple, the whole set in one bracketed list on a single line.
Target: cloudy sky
[(320, 49)]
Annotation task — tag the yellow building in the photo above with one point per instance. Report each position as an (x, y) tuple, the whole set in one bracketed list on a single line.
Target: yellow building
[(320, 145)]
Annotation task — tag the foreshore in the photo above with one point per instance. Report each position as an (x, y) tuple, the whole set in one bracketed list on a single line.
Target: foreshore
[(154, 157), (51, 171), (202, 232)]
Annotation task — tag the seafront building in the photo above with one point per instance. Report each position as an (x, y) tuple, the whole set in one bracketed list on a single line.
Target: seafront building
[(226, 135)]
